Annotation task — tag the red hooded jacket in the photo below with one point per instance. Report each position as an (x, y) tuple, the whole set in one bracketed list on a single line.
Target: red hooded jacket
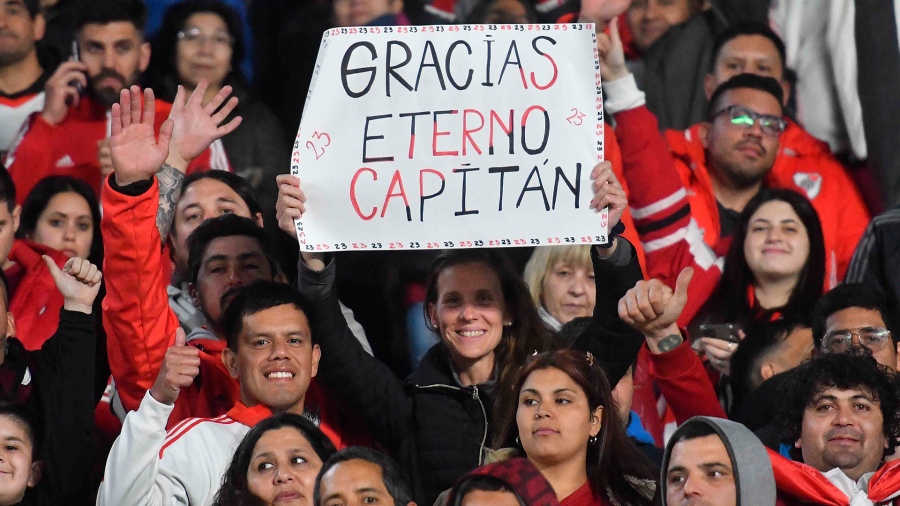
[(34, 299)]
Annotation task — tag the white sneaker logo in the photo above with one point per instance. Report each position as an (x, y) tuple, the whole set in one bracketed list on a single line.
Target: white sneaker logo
[(65, 161)]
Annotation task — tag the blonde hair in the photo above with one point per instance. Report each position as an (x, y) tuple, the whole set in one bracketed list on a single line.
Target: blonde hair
[(545, 258)]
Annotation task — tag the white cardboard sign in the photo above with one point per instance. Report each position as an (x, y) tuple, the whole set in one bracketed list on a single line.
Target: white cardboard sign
[(459, 136)]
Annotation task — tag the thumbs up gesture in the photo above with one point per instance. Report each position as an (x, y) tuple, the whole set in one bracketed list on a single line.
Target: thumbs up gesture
[(179, 368), (651, 307), (78, 282)]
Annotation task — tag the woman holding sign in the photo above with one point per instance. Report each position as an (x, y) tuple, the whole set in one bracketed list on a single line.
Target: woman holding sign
[(439, 421)]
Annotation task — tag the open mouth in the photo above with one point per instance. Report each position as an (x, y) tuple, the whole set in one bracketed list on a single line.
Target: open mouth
[(280, 375), (470, 333)]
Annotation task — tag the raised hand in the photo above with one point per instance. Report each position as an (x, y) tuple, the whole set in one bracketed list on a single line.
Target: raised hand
[(612, 53), (600, 12), (78, 282), (608, 192), (652, 307), (104, 156), (179, 368), (290, 204), (136, 152), (197, 126)]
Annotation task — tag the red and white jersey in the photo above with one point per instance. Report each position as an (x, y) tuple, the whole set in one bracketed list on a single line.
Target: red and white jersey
[(14, 112), (147, 466)]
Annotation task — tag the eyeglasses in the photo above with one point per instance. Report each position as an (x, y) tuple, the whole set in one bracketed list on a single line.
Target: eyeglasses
[(838, 341), (196, 36), (743, 117)]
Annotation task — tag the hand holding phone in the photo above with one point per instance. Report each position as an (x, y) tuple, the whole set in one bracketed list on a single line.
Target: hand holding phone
[(719, 342), (76, 56), (724, 331), (63, 90)]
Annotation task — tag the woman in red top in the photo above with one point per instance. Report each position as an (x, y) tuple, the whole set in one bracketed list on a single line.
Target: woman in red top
[(774, 268), (60, 218), (564, 419)]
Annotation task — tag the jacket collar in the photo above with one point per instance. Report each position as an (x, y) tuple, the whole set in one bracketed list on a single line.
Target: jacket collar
[(249, 416), (434, 368)]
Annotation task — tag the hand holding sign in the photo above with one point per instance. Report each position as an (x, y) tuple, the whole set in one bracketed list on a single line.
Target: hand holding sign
[(608, 191), (290, 204)]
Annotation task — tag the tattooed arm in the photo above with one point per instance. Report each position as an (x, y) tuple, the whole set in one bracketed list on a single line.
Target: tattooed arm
[(170, 181)]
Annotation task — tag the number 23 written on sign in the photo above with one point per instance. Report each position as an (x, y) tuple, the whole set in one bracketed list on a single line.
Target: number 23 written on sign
[(318, 142)]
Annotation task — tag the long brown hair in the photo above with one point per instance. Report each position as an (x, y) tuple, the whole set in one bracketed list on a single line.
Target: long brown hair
[(614, 463), (527, 334)]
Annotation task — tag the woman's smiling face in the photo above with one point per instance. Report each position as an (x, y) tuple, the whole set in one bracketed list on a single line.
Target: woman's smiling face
[(470, 311)]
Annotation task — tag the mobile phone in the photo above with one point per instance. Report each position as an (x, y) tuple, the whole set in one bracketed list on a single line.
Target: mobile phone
[(724, 331), (76, 56)]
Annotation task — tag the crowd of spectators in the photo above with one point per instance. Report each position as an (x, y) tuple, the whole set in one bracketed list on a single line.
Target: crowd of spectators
[(734, 342)]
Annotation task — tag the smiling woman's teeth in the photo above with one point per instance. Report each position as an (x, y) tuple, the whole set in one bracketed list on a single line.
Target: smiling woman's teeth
[(470, 333)]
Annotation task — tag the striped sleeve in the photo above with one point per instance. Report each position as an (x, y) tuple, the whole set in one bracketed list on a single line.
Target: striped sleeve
[(671, 238)]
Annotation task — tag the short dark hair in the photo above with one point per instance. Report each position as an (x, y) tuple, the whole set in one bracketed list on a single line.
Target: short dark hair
[(43, 192), (747, 28), (855, 369), (104, 12), (233, 181), (256, 297), (482, 482), (762, 83), (763, 338), (390, 472), (33, 6), (695, 429), (859, 295), (226, 225), (7, 189), (28, 419), (235, 490)]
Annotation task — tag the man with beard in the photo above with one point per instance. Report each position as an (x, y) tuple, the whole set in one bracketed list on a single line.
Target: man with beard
[(22, 75), (70, 135)]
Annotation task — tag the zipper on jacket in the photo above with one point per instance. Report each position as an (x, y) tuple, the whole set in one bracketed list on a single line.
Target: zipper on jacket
[(484, 415), (480, 404)]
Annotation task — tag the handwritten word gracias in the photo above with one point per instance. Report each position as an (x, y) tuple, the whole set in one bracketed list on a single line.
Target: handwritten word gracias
[(394, 62)]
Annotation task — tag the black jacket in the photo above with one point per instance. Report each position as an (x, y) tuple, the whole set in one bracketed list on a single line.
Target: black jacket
[(63, 401), (876, 260), (437, 429)]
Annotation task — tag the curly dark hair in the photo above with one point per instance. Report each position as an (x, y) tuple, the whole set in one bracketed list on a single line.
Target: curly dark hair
[(855, 369)]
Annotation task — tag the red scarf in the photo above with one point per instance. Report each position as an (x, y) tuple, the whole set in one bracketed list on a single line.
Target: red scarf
[(798, 483)]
